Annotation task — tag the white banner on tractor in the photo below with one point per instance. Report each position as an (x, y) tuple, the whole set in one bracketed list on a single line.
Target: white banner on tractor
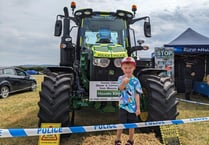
[(104, 91)]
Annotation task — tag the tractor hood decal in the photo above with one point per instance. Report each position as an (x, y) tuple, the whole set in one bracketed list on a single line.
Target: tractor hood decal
[(109, 50)]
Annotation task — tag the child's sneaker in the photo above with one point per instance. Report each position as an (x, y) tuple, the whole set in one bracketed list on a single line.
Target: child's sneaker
[(117, 142), (129, 142)]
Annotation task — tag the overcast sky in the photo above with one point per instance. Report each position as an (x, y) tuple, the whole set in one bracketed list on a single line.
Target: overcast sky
[(27, 26)]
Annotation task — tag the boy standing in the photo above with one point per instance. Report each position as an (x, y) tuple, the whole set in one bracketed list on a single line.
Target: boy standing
[(129, 103)]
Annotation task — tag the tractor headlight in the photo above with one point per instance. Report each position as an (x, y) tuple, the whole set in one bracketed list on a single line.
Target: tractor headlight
[(87, 12), (121, 14), (124, 14), (78, 13), (102, 62), (117, 62), (83, 13)]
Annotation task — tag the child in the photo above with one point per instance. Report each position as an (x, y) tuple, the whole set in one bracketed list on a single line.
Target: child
[(129, 104)]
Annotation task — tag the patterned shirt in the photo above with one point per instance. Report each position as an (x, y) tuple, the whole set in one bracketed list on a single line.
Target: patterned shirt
[(127, 96)]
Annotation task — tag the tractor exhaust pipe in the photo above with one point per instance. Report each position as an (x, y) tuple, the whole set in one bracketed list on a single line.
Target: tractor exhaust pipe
[(67, 50)]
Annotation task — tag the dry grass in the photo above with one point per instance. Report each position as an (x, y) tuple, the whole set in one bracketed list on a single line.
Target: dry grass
[(194, 133), (20, 111)]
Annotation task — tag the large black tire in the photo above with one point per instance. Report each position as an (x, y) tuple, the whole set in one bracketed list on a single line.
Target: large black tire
[(161, 104), (54, 104)]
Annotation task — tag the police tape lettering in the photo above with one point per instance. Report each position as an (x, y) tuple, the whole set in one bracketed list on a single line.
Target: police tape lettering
[(155, 123), (81, 129), (105, 127), (198, 119), (49, 130)]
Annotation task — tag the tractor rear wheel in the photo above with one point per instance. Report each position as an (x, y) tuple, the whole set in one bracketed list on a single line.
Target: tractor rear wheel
[(159, 100), (54, 104)]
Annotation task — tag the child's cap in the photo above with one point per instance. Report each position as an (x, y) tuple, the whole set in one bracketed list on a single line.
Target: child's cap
[(128, 60)]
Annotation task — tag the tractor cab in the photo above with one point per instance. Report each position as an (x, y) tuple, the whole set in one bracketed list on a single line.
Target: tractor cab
[(107, 27), (103, 39), (106, 34), (103, 28)]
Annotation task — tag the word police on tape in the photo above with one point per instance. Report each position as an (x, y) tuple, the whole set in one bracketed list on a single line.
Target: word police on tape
[(80, 129), (49, 130)]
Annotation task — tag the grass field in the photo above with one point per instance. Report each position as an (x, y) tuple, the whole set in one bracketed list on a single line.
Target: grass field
[(20, 111)]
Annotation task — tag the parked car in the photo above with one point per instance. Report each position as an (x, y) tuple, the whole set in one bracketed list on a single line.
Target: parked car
[(13, 79), (32, 72)]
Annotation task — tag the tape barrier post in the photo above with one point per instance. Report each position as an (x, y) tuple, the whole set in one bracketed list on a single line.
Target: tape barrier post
[(170, 135), (81, 129), (49, 139)]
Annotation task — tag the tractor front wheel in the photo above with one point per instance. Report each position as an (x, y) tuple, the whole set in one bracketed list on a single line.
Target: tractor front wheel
[(54, 104), (159, 100)]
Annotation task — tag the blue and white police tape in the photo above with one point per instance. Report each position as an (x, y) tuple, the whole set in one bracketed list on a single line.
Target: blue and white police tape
[(4, 133), (193, 102)]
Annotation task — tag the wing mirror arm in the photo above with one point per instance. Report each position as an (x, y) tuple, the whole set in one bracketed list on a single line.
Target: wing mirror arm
[(136, 48), (139, 19)]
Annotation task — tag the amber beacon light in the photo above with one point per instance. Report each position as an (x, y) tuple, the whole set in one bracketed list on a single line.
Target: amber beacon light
[(73, 5), (134, 8)]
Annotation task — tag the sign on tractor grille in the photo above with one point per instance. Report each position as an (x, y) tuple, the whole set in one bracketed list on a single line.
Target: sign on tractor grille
[(104, 91)]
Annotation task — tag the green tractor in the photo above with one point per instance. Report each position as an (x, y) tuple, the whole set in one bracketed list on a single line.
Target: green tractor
[(89, 68)]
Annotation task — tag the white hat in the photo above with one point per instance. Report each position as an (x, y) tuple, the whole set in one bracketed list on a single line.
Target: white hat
[(128, 60)]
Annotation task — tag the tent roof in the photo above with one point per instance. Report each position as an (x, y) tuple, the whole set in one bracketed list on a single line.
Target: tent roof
[(189, 38)]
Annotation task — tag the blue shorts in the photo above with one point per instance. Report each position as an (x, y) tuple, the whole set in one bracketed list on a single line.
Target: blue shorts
[(127, 117)]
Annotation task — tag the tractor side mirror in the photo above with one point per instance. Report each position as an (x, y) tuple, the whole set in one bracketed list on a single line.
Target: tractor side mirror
[(58, 28), (147, 29)]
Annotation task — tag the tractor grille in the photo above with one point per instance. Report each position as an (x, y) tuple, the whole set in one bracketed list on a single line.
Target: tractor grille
[(110, 73)]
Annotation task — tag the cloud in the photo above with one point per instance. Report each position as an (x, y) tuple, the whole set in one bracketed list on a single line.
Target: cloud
[(168, 24), (27, 26), (27, 34)]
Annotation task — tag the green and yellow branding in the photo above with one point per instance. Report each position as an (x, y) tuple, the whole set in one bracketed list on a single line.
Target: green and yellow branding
[(109, 50)]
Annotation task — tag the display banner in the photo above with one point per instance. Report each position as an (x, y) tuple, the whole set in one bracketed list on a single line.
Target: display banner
[(192, 50), (196, 50)]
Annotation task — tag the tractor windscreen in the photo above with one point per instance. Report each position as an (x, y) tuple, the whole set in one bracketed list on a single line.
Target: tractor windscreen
[(103, 29)]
